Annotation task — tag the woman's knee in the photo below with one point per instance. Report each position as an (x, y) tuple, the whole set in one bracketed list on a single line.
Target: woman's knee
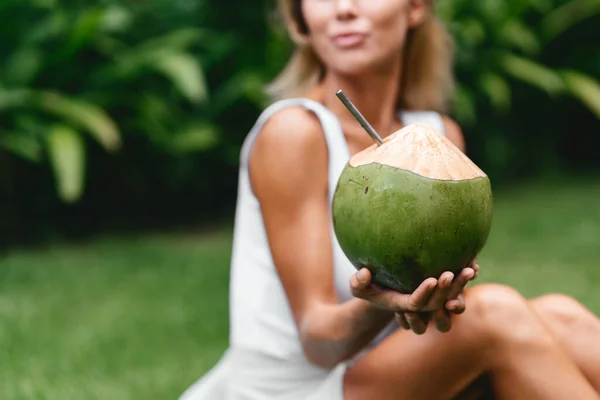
[(560, 309), (503, 313), (496, 302)]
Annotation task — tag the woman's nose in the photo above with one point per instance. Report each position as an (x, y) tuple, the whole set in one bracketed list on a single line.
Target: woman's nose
[(345, 8)]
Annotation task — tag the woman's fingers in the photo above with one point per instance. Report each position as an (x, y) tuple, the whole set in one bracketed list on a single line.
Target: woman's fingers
[(418, 322), (432, 295), (442, 291), (402, 320), (457, 305), (433, 300), (455, 301), (418, 299), (441, 320), (460, 282), (360, 280), (476, 269), (400, 302), (361, 287)]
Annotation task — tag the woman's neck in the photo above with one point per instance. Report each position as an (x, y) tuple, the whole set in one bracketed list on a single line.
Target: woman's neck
[(374, 95)]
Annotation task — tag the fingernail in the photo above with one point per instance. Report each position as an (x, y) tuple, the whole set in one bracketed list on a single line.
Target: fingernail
[(362, 275)]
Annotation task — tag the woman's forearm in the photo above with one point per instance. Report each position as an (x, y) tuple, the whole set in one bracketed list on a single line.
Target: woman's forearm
[(335, 332)]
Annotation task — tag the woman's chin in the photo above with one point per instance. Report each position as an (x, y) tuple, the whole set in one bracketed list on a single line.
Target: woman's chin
[(357, 63), (357, 68)]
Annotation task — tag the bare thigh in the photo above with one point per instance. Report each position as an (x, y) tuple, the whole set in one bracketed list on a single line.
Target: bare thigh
[(497, 335), (430, 366)]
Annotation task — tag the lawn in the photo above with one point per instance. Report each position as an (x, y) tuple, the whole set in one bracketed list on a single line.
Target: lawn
[(141, 317)]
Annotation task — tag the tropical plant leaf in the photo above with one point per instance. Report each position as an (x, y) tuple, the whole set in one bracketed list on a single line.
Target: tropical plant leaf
[(22, 66), (84, 115), (564, 17), (181, 69), (22, 144), (515, 33), (49, 4), (154, 109), (247, 85), (66, 153), (472, 32), (194, 138), (532, 73), (492, 10), (178, 39), (83, 30), (464, 105), (540, 6), (186, 74), (497, 89), (48, 28), (14, 98), (585, 88), (115, 19)]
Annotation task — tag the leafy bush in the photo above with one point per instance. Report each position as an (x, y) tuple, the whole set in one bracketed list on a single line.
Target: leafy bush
[(506, 51), (133, 113), (77, 71), (118, 94)]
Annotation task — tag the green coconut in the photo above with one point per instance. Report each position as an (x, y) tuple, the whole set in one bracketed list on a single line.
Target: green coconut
[(411, 208)]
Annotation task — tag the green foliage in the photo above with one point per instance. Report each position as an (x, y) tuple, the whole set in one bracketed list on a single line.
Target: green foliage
[(517, 63), (134, 112), (83, 68), (502, 41)]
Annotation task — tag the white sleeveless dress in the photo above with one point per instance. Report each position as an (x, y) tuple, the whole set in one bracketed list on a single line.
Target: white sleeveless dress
[(265, 359)]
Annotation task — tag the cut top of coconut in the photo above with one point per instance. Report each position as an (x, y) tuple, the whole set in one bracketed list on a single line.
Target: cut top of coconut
[(421, 149)]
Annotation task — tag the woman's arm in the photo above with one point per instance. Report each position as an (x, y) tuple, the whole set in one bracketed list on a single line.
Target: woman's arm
[(288, 172), (289, 176)]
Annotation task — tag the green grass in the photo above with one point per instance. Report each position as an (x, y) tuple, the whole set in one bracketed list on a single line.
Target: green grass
[(121, 318), (143, 317), (546, 238)]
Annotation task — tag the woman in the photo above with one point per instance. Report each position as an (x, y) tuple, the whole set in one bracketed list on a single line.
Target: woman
[(304, 323)]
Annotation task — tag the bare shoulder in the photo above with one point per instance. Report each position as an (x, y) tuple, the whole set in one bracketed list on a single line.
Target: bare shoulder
[(289, 149), (454, 133), (291, 126)]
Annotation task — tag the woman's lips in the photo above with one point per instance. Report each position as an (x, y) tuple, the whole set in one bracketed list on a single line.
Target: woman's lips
[(350, 39)]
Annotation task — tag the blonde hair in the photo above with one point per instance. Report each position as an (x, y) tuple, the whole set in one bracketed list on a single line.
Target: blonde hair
[(427, 78)]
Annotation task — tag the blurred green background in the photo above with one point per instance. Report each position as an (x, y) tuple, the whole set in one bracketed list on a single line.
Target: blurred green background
[(120, 129)]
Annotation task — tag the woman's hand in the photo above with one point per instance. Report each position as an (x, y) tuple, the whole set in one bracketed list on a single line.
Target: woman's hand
[(433, 300), (454, 303)]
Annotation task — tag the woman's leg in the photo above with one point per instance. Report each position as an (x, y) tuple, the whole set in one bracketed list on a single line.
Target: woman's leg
[(576, 328), (499, 335)]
